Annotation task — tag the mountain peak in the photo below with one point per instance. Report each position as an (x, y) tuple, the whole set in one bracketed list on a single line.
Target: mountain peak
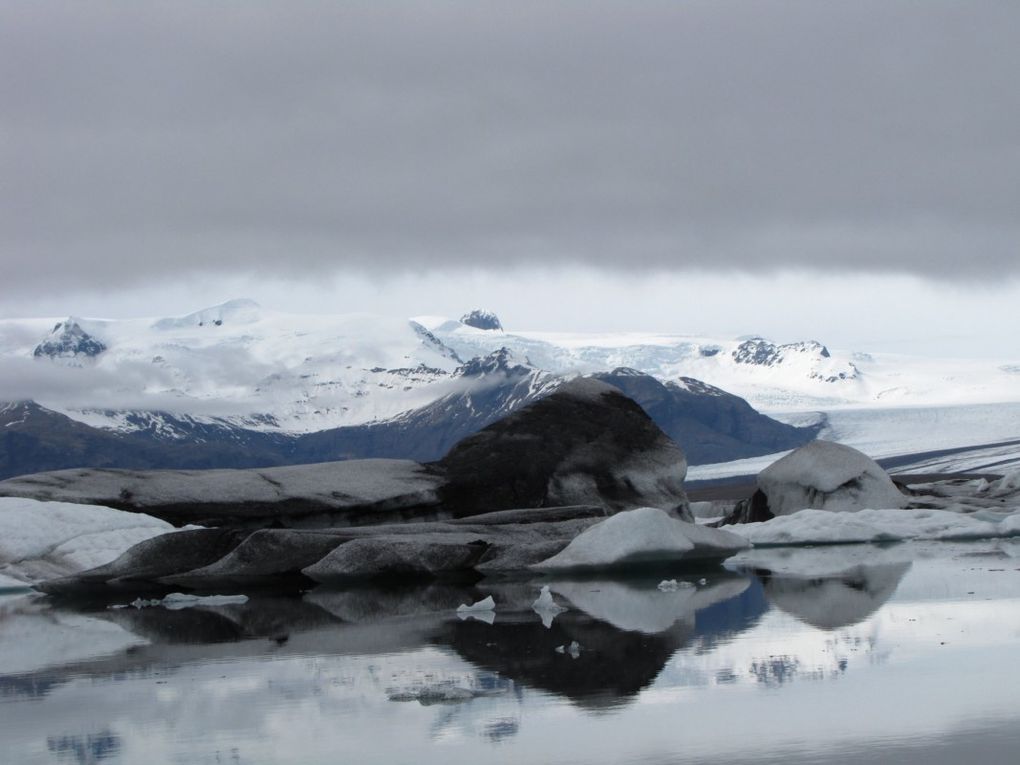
[(68, 340), (501, 361), (480, 319)]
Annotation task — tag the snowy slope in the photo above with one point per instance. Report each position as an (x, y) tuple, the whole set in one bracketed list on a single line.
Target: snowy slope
[(770, 376), (257, 367)]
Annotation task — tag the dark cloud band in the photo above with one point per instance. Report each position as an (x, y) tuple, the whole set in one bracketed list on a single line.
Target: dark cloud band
[(140, 142)]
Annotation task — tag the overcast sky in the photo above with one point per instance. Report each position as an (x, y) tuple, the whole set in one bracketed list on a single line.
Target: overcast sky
[(663, 164)]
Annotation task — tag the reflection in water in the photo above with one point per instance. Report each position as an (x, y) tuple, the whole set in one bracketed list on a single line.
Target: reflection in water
[(299, 677), (86, 750), (835, 601)]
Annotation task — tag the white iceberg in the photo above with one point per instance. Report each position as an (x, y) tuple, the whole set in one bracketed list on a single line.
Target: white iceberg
[(546, 607), (1007, 485), (881, 525), (642, 536), (43, 540), (178, 600), (485, 604), (824, 475), (573, 650)]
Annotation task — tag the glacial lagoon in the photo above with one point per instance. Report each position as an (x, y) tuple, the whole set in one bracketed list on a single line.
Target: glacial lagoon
[(848, 654)]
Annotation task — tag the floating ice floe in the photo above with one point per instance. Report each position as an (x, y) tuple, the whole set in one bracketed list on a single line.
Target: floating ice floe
[(573, 650), (445, 692), (672, 585), (1005, 486), (484, 610), (178, 600), (546, 607), (41, 540), (883, 525), (646, 535), (485, 604)]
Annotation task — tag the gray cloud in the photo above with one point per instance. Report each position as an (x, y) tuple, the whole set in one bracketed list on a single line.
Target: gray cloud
[(143, 141)]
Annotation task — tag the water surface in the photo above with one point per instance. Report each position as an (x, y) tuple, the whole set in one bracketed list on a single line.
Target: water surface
[(850, 654)]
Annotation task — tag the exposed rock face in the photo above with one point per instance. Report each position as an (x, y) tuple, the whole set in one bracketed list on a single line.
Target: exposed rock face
[(69, 341), (758, 351), (822, 475), (586, 443), (482, 320), (502, 362)]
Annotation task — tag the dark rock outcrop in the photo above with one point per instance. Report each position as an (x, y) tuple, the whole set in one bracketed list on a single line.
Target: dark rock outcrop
[(586, 443), (480, 319), (210, 558)]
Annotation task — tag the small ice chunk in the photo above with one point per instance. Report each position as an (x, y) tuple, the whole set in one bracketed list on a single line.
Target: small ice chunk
[(486, 604), (546, 607), (672, 585), (489, 617), (573, 650), (178, 600)]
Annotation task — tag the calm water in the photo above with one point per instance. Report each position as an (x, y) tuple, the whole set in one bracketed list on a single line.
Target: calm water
[(905, 654)]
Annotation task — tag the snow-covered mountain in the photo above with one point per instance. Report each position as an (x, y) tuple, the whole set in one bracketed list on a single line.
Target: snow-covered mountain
[(255, 367), (365, 385), (771, 376)]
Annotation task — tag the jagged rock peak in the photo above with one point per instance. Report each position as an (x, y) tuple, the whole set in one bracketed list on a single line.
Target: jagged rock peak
[(240, 311), (480, 319), (503, 361), (68, 340), (759, 351)]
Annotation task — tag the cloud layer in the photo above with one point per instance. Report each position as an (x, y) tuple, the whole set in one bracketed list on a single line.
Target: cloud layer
[(141, 142)]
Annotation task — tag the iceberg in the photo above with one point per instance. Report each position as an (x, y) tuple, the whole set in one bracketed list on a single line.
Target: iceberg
[(827, 476), (643, 536), (41, 540), (875, 525), (546, 607)]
